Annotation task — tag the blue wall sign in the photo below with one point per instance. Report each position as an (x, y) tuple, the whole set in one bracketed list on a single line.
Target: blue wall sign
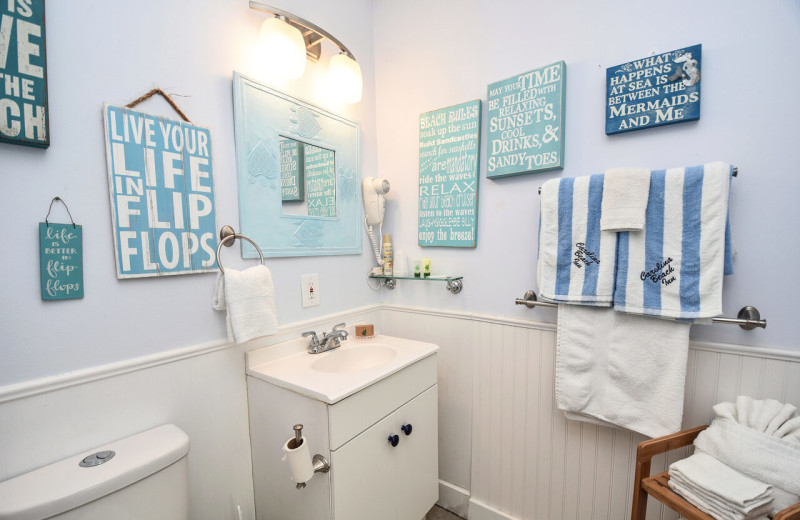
[(162, 194), (61, 261), (658, 90), (526, 122), (292, 178), (449, 146), (320, 174), (24, 117)]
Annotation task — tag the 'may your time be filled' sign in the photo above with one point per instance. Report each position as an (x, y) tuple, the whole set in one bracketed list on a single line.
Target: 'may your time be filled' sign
[(162, 194)]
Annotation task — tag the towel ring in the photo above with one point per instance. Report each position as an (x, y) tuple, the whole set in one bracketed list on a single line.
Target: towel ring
[(227, 234)]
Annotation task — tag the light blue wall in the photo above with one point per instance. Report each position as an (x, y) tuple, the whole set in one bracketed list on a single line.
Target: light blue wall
[(435, 54), (114, 52), (427, 55)]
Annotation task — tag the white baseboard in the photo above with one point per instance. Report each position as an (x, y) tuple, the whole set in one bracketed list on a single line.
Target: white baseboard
[(453, 498), (480, 511)]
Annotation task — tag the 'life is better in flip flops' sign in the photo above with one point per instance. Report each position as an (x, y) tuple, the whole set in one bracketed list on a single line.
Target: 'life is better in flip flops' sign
[(662, 89)]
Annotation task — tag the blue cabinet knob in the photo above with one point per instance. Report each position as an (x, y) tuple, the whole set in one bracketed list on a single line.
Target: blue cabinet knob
[(406, 429), (394, 440)]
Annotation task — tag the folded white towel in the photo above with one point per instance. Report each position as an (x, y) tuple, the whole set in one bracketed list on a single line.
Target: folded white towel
[(764, 415), (719, 509), (621, 369), (625, 194), (674, 267), (249, 298), (720, 482), (576, 258), (767, 458)]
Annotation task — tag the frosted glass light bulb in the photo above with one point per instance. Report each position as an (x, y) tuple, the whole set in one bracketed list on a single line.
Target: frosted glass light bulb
[(283, 47), (345, 75)]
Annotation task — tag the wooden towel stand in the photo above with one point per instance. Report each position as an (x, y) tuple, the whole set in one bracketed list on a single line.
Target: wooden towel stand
[(657, 485)]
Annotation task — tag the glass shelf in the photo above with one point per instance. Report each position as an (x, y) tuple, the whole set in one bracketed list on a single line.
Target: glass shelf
[(454, 283)]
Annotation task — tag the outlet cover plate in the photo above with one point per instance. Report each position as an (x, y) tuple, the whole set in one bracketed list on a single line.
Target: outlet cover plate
[(309, 287)]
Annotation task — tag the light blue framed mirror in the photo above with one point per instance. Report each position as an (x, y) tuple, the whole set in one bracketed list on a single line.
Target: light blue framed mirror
[(326, 220)]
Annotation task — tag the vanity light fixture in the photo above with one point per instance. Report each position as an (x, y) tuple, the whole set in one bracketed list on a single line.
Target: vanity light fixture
[(344, 72)]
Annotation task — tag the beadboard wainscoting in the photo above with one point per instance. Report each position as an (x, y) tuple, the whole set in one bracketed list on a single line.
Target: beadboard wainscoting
[(506, 452), (199, 388)]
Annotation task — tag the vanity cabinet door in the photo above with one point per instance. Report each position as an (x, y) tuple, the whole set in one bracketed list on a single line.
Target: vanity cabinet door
[(417, 470), (362, 476), (372, 479)]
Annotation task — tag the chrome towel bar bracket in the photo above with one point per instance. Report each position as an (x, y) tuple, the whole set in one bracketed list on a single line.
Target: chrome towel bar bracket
[(748, 318)]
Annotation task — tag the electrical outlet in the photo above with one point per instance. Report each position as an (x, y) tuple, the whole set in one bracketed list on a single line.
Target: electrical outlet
[(309, 285)]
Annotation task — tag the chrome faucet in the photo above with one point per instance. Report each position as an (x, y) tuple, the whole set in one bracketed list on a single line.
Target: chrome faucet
[(330, 340)]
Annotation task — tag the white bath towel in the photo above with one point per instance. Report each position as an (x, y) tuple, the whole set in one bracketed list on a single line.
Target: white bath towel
[(621, 369), (770, 459), (625, 194), (249, 298), (674, 267), (715, 487), (576, 258), (767, 416)]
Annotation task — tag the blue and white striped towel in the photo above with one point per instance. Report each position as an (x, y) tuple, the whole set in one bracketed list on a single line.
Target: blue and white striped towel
[(576, 258), (674, 267)]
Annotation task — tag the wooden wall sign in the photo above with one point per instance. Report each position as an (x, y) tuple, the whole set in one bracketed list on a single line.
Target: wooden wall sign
[(162, 194), (292, 178), (61, 261), (320, 174), (449, 146), (658, 90), (526, 122), (24, 116)]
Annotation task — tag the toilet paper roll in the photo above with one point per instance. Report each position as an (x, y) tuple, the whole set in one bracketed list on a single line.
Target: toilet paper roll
[(299, 459)]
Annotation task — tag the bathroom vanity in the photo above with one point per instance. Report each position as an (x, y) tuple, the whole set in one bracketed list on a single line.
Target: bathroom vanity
[(369, 407)]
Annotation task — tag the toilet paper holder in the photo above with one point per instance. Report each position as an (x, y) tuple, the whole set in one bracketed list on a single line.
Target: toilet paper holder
[(318, 463)]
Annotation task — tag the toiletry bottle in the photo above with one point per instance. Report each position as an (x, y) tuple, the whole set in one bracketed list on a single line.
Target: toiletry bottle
[(416, 269), (387, 255)]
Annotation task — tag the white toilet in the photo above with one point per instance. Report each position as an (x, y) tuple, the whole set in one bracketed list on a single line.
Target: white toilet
[(140, 477)]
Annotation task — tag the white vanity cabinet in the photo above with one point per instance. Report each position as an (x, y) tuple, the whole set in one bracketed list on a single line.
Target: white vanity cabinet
[(369, 478), (373, 479)]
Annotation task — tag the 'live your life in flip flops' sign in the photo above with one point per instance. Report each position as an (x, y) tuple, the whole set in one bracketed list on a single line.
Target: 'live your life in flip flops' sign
[(658, 90), (162, 194)]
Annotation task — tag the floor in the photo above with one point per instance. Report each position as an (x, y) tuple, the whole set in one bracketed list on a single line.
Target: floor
[(437, 513)]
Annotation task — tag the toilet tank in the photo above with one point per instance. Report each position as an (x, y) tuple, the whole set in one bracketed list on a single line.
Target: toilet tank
[(145, 478)]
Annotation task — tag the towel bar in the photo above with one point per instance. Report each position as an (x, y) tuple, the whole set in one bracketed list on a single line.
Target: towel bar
[(748, 317), (735, 174), (227, 234)]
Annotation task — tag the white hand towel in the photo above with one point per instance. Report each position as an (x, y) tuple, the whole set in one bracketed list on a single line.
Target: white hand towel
[(249, 298), (674, 267), (576, 259), (621, 369), (720, 482), (719, 509), (625, 194)]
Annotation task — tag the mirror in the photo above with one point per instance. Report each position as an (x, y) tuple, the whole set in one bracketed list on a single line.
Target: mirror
[(298, 168), (308, 179)]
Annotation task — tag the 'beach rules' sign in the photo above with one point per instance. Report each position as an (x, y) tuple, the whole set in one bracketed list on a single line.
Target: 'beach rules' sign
[(61, 261), (526, 122), (162, 194), (449, 145), (659, 90), (23, 74)]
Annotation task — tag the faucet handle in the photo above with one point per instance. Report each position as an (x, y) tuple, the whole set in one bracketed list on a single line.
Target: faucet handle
[(314, 338), (339, 326)]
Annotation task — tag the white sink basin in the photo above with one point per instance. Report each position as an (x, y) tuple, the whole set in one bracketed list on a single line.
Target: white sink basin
[(354, 359), (333, 375)]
